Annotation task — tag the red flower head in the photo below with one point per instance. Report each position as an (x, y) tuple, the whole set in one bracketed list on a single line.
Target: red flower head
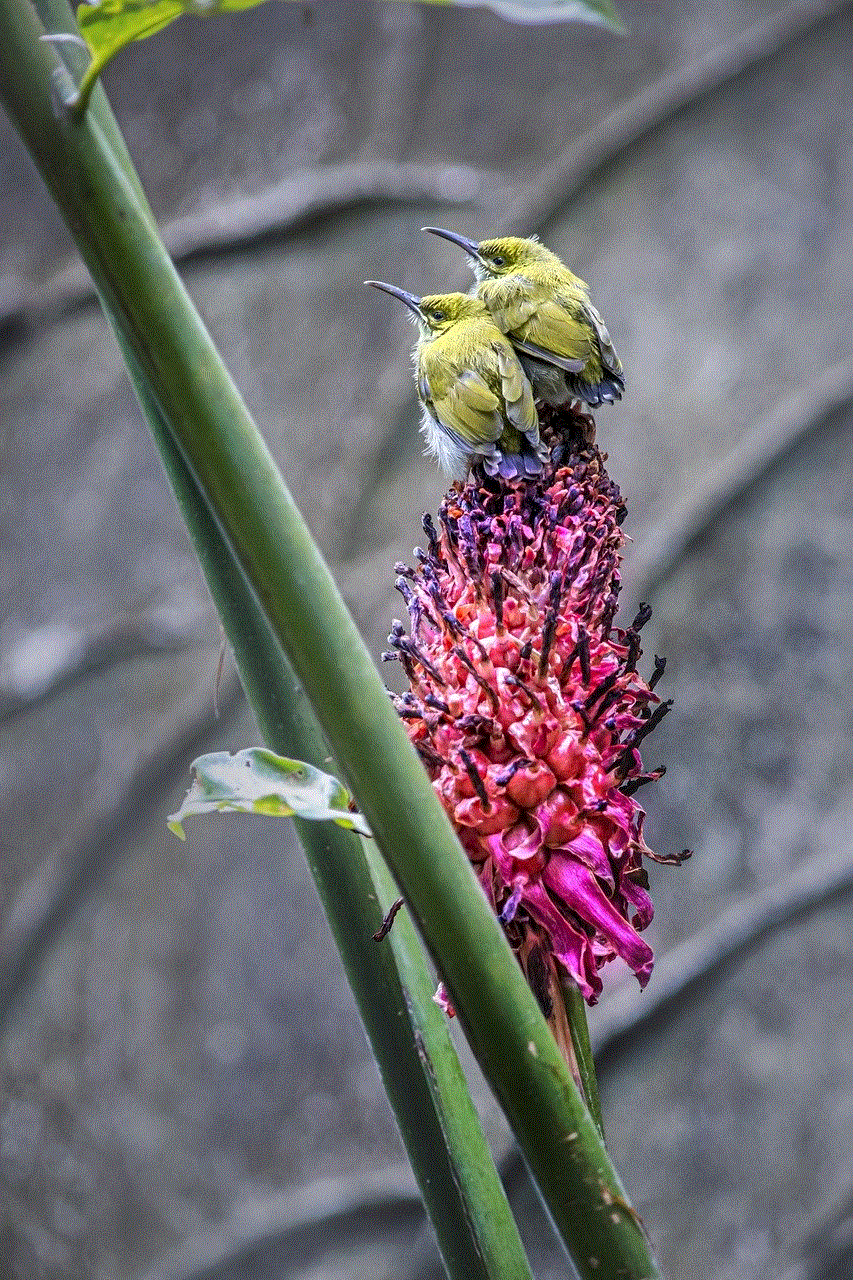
[(527, 708)]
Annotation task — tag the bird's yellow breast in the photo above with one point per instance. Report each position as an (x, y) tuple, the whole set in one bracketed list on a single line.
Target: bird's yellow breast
[(469, 344)]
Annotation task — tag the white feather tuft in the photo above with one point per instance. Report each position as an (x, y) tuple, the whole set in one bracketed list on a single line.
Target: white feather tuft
[(453, 460)]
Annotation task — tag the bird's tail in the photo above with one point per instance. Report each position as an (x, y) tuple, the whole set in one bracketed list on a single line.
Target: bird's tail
[(607, 390), (528, 461)]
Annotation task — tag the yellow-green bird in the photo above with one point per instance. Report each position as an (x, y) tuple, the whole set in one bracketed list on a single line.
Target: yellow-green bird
[(477, 403), (548, 316)]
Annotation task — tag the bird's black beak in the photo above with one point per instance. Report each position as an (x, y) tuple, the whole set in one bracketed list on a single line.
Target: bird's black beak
[(413, 303), (470, 246)]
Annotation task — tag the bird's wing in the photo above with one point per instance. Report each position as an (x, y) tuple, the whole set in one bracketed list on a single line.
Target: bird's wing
[(609, 358), (466, 406), (532, 323), (559, 333), (519, 406), (424, 391), (511, 306)]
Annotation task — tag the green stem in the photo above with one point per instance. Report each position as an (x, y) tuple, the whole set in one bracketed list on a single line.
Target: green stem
[(80, 101), (391, 982), (259, 521), (420, 1070), (579, 1030), (57, 18)]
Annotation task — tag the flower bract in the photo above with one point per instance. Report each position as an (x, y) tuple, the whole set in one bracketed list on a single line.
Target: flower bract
[(528, 710)]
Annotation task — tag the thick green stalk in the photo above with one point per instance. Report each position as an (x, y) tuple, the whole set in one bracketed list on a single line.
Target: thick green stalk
[(426, 1087), (57, 18), (259, 521), (391, 980), (575, 1007)]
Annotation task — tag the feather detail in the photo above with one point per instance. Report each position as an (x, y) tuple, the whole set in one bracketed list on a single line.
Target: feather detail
[(547, 314), (478, 402), (520, 407)]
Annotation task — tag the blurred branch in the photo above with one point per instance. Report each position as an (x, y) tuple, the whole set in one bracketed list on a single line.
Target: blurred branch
[(330, 1213), (306, 197), (563, 181), (43, 661), (657, 104), (48, 898), (659, 548)]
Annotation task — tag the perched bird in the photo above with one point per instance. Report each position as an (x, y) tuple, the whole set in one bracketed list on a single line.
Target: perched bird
[(547, 314), (478, 405)]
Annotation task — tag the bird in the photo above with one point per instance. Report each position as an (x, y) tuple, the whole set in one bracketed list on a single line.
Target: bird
[(546, 312), (478, 405)]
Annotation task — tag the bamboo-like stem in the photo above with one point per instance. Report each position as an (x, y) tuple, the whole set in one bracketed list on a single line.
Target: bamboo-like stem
[(391, 981), (259, 522), (426, 1087)]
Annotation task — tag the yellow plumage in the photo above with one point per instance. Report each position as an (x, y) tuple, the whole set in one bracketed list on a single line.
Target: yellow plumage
[(546, 312), (478, 404)]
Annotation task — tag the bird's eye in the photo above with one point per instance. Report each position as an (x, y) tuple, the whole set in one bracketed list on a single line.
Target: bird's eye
[(498, 259), (437, 315)]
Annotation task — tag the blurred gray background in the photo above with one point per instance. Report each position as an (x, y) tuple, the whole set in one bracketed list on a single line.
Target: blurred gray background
[(186, 1087)]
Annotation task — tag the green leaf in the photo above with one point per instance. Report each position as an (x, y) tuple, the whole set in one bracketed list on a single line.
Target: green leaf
[(109, 25), (259, 781)]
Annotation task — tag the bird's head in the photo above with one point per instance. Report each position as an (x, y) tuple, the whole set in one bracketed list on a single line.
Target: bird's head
[(435, 313), (503, 256), (441, 311)]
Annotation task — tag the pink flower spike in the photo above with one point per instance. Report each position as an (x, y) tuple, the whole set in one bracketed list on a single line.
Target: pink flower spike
[(527, 709)]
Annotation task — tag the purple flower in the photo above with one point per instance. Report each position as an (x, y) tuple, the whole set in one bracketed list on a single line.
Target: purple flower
[(528, 711)]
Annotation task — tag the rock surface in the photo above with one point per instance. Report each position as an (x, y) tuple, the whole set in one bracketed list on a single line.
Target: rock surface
[(184, 1073)]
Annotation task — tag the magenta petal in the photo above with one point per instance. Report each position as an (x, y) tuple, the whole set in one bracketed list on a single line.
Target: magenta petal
[(577, 886), (510, 862), (591, 851), (571, 947), (640, 900)]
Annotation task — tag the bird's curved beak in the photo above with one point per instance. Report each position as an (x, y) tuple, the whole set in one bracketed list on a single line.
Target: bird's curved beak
[(413, 303), (470, 246)]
